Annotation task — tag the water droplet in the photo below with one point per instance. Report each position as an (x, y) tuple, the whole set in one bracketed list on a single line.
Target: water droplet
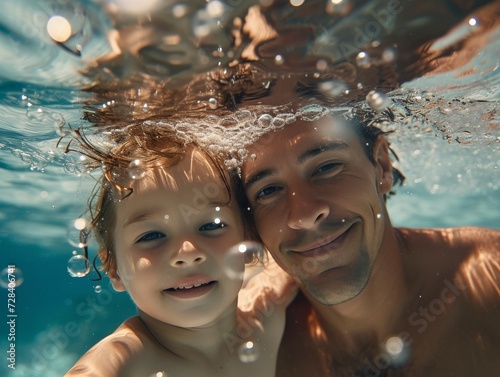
[(59, 29), (97, 289), (378, 101), (363, 60), (11, 277), (78, 266), (136, 169), (248, 352)]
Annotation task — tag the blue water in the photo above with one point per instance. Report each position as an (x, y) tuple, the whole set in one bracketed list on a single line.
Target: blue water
[(452, 166)]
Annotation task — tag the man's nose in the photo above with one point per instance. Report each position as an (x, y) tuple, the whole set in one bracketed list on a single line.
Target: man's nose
[(304, 210), (187, 255)]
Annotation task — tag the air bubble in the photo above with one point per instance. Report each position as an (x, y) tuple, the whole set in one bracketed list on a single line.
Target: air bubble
[(78, 266), (179, 10), (321, 65), (248, 352), (472, 22), (265, 121), (378, 101), (389, 55), (74, 232), (136, 169), (332, 88), (212, 103), (234, 261), (397, 350), (97, 289), (136, 7), (278, 60), (363, 60), (59, 29), (11, 277), (215, 9)]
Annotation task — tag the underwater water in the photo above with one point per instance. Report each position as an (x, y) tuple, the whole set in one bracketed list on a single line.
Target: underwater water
[(449, 149)]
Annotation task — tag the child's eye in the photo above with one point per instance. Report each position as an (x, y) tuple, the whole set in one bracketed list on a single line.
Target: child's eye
[(214, 225), (151, 236), (267, 191)]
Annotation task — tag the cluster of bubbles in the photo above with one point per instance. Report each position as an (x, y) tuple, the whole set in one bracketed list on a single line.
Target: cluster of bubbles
[(233, 133), (78, 265)]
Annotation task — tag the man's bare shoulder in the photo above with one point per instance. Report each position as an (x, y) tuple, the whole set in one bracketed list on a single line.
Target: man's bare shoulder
[(460, 237), (110, 356), (468, 255)]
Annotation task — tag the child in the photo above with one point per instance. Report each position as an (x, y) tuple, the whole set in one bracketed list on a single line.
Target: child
[(170, 228)]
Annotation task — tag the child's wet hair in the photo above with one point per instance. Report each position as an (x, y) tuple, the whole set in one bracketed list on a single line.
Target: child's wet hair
[(155, 147)]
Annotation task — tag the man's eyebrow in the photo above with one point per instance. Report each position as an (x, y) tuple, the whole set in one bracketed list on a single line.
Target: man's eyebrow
[(254, 178), (310, 153), (322, 148)]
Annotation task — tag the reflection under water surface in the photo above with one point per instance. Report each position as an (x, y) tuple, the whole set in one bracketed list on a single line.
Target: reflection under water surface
[(437, 63)]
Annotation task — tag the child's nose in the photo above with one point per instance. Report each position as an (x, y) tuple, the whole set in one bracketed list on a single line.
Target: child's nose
[(187, 255)]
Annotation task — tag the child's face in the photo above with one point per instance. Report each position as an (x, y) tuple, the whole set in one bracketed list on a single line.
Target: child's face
[(173, 233)]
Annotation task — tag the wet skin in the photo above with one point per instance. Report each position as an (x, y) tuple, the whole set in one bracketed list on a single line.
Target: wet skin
[(318, 205), (306, 196)]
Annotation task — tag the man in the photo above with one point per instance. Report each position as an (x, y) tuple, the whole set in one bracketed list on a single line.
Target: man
[(376, 300)]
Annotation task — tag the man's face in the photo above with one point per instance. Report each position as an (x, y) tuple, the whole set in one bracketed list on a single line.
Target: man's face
[(318, 204)]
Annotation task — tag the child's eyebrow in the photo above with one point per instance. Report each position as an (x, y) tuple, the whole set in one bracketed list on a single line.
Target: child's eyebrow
[(140, 216)]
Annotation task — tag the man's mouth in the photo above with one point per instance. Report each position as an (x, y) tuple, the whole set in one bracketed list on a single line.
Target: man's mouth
[(330, 242)]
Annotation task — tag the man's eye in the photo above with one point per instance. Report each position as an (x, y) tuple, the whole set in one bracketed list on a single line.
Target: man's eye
[(151, 236), (267, 191), (327, 168), (214, 225)]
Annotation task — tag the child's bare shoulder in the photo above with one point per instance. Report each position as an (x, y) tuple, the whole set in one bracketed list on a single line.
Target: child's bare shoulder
[(111, 355)]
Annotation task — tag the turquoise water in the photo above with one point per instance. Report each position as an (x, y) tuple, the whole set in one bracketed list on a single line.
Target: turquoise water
[(451, 158)]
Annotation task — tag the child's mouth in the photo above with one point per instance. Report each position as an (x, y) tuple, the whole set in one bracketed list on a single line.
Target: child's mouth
[(191, 291)]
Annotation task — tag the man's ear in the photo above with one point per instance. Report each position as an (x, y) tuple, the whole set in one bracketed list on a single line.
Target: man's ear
[(383, 165)]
